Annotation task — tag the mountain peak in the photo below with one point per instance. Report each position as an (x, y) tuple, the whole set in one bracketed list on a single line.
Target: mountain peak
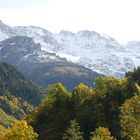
[(66, 33), (2, 24), (1, 21), (87, 34)]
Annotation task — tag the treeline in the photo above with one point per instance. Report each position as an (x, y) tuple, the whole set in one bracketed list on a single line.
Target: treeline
[(100, 112), (108, 112)]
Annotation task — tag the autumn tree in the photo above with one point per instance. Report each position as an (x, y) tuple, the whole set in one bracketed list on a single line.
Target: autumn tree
[(81, 92), (130, 119), (101, 133), (2, 130), (20, 131)]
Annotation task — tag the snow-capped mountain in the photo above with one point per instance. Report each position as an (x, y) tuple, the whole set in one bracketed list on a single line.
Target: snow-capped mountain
[(42, 67), (19, 49), (92, 50), (100, 53)]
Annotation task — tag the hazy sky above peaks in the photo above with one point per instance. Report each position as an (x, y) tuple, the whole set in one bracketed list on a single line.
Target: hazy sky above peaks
[(117, 18)]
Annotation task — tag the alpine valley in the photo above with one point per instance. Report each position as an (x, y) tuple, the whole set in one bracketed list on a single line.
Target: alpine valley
[(67, 86)]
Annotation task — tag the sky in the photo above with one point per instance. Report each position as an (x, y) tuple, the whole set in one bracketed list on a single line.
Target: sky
[(119, 19)]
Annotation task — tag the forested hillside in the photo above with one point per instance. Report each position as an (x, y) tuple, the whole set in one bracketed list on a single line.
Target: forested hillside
[(109, 111), (17, 95), (103, 111)]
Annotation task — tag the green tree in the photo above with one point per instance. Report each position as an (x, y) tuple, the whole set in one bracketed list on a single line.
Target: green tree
[(101, 133), (130, 119), (73, 132), (90, 114), (81, 92), (134, 76), (112, 92), (51, 118), (87, 109), (133, 81)]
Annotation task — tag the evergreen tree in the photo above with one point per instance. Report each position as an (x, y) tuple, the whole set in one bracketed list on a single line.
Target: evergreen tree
[(73, 132)]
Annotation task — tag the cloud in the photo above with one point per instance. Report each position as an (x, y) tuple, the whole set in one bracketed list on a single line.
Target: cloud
[(20, 4)]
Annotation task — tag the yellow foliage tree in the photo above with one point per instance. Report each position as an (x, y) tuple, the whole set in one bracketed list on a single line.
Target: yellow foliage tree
[(130, 119), (2, 130), (101, 133), (20, 131)]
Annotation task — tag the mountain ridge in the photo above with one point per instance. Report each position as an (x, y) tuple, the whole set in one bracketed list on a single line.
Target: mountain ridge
[(90, 49)]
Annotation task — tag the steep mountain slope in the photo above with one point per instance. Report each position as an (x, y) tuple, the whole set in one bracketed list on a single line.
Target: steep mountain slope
[(69, 74), (17, 96), (12, 81), (5, 119), (98, 52), (42, 67)]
